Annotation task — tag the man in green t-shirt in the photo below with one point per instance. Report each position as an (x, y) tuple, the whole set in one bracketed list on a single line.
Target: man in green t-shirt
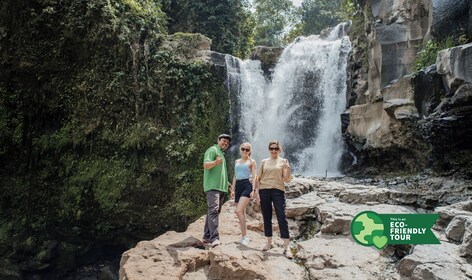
[(215, 185)]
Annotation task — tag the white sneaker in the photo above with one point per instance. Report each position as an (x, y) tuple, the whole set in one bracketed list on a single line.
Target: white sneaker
[(244, 240), (215, 243)]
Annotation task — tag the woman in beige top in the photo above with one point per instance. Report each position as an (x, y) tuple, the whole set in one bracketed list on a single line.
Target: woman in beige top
[(272, 175)]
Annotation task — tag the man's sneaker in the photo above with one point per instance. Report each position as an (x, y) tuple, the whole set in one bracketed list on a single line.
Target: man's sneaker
[(215, 243), (244, 240)]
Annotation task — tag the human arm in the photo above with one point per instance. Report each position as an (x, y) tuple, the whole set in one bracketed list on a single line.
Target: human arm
[(232, 187), (260, 173), (211, 164), (286, 171), (211, 158), (254, 179)]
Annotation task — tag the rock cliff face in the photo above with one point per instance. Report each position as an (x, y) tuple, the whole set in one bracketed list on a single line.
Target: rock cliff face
[(394, 120), (319, 214)]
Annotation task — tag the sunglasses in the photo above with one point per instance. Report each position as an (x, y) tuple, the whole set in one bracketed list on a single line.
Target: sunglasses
[(274, 149), (245, 150)]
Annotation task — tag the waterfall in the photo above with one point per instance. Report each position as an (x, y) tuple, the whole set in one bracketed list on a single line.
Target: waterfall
[(300, 105)]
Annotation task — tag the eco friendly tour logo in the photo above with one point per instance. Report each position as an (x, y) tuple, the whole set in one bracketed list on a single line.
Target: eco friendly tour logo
[(371, 229)]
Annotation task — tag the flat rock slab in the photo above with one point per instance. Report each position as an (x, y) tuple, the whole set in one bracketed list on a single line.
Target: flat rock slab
[(338, 257), (182, 255), (435, 262), (336, 217)]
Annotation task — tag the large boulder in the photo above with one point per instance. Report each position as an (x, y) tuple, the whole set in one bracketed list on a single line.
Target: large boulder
[(455, 64), (196, 47), (451, 18)]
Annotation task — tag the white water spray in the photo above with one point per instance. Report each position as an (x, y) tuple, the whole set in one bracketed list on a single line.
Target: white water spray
[(300, 107)]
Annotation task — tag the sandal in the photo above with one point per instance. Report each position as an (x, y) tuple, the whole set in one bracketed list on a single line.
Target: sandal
[(267, 247)]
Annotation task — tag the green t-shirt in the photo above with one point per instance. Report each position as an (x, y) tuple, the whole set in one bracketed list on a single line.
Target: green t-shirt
[(217, 177)]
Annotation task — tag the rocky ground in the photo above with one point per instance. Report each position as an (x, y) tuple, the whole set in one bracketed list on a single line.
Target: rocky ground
[(320, 212)]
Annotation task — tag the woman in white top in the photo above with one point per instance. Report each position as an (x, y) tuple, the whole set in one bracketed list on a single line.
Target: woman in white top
[(242, 189)]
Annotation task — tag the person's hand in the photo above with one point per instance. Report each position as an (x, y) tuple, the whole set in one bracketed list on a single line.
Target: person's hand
[(251, 194), (258, 199), (232, 195), (218, 160), (286, 165)]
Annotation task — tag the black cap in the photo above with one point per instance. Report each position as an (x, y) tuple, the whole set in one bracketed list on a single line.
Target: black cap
[(224, 136)]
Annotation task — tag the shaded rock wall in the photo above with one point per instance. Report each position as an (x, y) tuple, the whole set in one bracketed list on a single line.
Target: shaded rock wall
[(451, 18)]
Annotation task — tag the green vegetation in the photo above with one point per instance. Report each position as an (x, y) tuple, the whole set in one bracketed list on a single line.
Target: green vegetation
[(272, 18), (228, 23), (317, 15), (428, 54), (102, 133)]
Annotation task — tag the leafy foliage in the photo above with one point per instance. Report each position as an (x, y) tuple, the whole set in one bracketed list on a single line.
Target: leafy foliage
[(228, 23), (317, 15), (428, 54), (273, 18), (102, 133)]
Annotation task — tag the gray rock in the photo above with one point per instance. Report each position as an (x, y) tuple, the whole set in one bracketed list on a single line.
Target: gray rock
[(456, 228), (455, 64), (107, 273), (466, 246), (450, 18), (434, 262)]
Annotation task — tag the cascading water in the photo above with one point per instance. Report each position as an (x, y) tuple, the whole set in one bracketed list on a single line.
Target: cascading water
[(300, 106)]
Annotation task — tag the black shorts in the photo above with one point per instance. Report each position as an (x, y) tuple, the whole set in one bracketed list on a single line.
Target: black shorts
[(243, 188)]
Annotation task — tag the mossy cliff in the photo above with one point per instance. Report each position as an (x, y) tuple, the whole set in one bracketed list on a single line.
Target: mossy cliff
[(102, 132)]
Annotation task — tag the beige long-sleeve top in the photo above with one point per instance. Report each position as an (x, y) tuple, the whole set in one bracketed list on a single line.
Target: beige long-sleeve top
[(270, 174)]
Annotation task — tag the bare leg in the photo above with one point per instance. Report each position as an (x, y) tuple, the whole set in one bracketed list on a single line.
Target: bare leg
[(288, 251), (241, 212), (286, 243)]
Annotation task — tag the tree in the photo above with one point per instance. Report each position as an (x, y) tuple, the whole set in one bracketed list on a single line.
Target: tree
[(317, 15), (228, 23), (273, 19)]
